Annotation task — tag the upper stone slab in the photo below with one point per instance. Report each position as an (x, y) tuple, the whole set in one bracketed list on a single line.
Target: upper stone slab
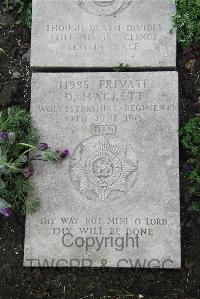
[(92, 34)]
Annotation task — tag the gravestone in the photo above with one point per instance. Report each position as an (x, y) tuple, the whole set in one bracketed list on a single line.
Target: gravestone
[(115, 201), (92, 34)]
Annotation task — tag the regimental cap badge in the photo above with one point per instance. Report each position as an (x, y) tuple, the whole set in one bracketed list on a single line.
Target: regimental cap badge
[(104, 7), (103, 168)]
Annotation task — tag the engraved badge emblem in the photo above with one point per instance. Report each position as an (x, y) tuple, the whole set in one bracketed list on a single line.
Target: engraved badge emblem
[(103, 168), (104, 7)]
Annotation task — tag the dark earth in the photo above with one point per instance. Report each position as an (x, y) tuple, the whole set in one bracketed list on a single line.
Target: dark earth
[(17, 282)]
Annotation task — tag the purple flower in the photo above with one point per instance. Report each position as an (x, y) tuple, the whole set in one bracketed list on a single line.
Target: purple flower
[(28, 172), (63, 153), (43, 146), (7, 212), (3, 135)]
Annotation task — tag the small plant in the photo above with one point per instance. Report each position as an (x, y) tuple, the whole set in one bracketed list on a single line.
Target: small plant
[(22, 10), (17, 141), (187, 23), (120, 68), (190, 137)]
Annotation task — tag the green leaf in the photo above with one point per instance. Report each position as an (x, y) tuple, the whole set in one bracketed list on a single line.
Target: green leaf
[(22, 10), (186, 21), (4, 204), (195, 207), (32, 205), (2, 51), (28, 145), (120, 67), (50, 155)]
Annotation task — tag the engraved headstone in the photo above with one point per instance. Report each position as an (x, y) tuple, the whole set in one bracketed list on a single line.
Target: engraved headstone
[(83, 33), (115, 201)]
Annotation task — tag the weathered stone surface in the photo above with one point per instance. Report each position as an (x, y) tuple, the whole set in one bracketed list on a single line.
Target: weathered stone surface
[(115, 201), (82, 33)]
